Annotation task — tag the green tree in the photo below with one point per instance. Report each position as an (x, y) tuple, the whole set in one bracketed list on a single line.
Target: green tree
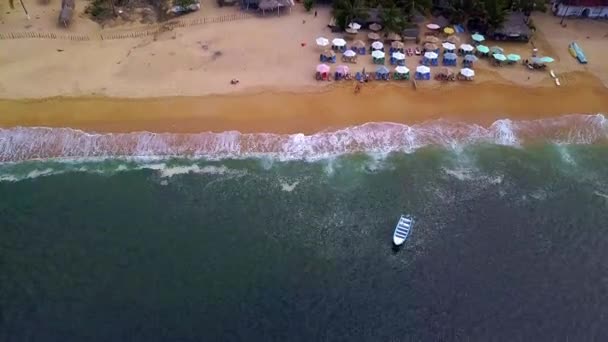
[(347, 10), (410, 7), (393, 19), (495, 13), (308, 5)]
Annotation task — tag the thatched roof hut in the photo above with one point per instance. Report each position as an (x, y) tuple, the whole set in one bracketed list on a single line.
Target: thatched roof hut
[(515, 27), (358, 44), (453, 39)]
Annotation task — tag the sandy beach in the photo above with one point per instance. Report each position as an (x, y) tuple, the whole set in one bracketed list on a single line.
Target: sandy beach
[(179, 80)]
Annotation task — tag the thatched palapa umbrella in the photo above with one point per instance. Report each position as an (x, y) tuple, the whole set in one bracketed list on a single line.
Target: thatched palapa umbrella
[(454, 40), (430, 47), (394, 37), (431, 39), (375, 27), (373, 36), (397, 45), (358, 44)]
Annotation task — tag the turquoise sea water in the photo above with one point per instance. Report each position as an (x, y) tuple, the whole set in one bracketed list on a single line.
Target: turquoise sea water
[(510, 244)]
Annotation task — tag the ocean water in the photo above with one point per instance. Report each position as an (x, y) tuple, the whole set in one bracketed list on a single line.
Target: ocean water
[(232, 237)]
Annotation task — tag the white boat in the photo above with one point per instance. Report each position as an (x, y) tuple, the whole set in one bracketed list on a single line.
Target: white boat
[(403, 229)]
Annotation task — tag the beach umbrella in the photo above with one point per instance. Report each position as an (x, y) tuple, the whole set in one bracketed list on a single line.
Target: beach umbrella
[(454, 40), (432, 26), (450, 56), (329, 54), (375, 27), (378, 54), (323, 68), (449, 46), (431, 39), (478, 37), (393, 36), (466, 72), (547, 59), (448, 30), (350, 53), (446, 71), (338, 42), (499, 57), (397, 45), (423, 69), (358, 44), (373, 36), (430, 47), (402, 69), (466, 47), (322, 41), (497, 49), (377, 45), (470, 58), (430, 55), (398, 56), (382, 70), (483, 49), (351, 31), (354, 26), (342, 69), (513, 57)]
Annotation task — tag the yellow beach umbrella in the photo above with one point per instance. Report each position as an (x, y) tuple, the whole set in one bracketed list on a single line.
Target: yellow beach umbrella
[(448, 30)]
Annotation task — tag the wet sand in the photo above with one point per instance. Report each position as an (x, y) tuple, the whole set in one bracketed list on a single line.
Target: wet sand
[(311, 110)]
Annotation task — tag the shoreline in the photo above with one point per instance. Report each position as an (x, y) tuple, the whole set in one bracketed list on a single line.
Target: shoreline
[(310, 110)]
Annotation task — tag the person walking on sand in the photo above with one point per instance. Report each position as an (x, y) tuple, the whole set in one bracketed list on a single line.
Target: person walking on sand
[(315, 13)]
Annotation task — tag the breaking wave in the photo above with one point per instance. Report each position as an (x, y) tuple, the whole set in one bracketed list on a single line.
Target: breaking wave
[(25, 143)]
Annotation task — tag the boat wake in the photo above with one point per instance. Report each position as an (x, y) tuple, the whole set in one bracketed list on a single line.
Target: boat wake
[(25, 143)]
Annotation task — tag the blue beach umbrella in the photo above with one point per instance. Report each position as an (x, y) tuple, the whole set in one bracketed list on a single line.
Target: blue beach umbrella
[(470, 58), (483, 49), (478, 37), (513, 57), (499, 57), (450, 56), (547, 59), (382, 70)]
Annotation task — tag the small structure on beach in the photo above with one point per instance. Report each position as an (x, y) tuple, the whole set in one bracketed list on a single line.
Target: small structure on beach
[(423, 73), (466, 49), (453, 39), (466, 74), (445, 74), (328, 56), (397, 58), (397, 47), (322, 42), (378, 57), (499, 58), (477, 38), (468, 61), (271, 5), (322, 72), (394, 37), (513, 58), (411, 33), (359, 47), (67, 12), (401, 73), (382, 73), (338, 44), (430, 58), (580, 8), (432, 39), (448, 47), (341, 72), (483, 50), (515, 27), (450, 59), (431, 47), (349, 56), (373, 36), (377, 46)]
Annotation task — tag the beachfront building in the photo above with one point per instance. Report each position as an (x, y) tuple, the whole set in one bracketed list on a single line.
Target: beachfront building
[(580, 8), (515, 27)]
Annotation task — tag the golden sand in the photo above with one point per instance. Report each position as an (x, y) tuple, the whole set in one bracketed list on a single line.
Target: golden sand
[(310, 111)]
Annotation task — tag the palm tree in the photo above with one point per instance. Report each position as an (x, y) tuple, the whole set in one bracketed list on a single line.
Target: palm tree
[(496, 13), (410, 7), (347, 10), (393, 19)]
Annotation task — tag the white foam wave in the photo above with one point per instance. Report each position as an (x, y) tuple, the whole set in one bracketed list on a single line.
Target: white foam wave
[(22, 143)]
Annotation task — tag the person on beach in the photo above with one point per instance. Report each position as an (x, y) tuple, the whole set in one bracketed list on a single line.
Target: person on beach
[(315, 14), (357, 88)]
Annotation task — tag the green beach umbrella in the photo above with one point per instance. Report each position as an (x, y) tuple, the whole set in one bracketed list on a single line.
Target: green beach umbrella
[(513, 57), (478, 37), (483, 49), (547, 60), (499, 57)]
